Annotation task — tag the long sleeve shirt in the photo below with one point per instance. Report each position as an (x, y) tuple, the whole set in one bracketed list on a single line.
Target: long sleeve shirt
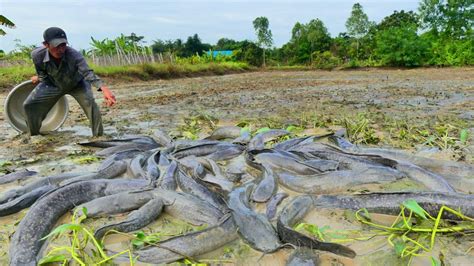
[(70, 71)]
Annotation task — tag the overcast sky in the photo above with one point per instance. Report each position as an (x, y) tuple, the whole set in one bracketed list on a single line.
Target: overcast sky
[(170, 20)]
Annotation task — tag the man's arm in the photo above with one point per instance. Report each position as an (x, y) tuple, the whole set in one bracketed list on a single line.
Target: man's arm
[(91, 77), (85, 70), (41, 74)]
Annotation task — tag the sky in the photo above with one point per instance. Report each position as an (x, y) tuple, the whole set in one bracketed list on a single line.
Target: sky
[(170, 20)]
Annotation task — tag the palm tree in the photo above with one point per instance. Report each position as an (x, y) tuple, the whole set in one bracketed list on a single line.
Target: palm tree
[(5, 22)]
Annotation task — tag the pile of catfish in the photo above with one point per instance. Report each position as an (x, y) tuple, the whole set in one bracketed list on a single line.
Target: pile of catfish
[(216, 182)]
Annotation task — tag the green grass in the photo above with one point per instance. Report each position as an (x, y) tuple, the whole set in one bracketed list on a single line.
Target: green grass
[(154, 71), (10, 76)]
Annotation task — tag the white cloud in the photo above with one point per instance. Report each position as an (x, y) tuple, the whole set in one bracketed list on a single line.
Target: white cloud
[(168, 20)]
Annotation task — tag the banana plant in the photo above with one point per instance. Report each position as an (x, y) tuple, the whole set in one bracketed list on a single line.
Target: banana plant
[(6, 23), (104, 47)]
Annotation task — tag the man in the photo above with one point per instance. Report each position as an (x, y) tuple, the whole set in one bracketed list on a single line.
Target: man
[(62, 70)]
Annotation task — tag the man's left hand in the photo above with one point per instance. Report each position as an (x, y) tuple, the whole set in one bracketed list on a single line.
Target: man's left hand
[(108, 96), (35, 80)]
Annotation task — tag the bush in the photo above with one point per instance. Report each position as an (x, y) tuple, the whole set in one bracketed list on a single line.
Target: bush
[(400, 46), (325, 60), (446, 52)]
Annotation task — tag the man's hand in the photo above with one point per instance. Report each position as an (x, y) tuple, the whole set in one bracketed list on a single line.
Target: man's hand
[(108, 96), (35, 80)]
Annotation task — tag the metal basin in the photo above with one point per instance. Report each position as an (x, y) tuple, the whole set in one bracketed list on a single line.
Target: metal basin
[(15, 113)]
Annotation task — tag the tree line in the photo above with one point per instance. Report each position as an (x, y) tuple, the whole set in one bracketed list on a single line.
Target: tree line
[(439, 34)]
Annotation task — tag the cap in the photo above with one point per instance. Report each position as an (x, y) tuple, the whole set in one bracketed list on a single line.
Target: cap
[(54, 36)]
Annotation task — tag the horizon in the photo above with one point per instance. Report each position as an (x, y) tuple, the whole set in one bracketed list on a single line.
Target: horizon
[(165, 20)]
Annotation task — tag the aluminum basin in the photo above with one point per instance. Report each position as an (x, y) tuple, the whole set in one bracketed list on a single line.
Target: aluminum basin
[(15, 113)]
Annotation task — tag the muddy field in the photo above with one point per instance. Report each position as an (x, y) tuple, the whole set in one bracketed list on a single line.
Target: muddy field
[(261, 99)]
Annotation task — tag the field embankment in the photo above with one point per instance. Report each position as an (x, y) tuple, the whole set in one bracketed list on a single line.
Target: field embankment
[(10, 76)]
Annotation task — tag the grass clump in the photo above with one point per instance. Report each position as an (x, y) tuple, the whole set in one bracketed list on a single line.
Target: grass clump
[(192, 126), (360, 129), (10, 76), (84, 248), (412, 234)]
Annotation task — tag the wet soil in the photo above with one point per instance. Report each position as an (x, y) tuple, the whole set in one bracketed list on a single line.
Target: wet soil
[(274, 99)]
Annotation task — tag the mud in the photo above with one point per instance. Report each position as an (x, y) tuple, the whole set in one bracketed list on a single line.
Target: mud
[(274, 99)]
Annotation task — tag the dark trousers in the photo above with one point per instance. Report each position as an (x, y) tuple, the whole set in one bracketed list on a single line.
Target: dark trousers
[(44, 96)]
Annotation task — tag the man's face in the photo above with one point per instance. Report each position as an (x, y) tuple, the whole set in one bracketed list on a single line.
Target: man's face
[(58, 51)]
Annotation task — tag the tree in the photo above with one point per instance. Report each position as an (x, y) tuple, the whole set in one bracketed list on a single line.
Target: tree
[(194, 46), (341, 46), (358, 24), (264, 34), (318, 36), (397, 41), (398, 19), (134, 38), (175, 47), (453, 19), (249, 52), (6, 23), (400, 46), (305, 40), (449, 26), (226, 44)]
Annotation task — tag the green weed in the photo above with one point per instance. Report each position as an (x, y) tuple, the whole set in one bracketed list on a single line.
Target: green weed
[(193, 125), (360, 129), (413, 232), (4, 166), (86, 160), (82, 245)]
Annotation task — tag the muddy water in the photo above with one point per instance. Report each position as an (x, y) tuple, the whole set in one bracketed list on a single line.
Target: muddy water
[(283, 98)]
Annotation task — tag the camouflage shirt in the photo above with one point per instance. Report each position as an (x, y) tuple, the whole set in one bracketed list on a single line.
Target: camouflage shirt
[(71, 70)]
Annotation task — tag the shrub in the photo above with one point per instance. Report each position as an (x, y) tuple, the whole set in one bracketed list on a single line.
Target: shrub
[(325, 60)]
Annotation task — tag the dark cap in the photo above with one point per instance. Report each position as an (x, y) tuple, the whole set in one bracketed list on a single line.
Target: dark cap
[(54, 36)]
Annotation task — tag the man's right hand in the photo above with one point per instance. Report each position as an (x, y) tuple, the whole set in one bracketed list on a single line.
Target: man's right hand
[(35, 80)]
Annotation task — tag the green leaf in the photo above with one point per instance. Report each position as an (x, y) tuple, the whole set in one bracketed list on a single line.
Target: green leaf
[(51, 259), (84, 211), (4, 163), (137, 243), (63, 228), (300, 226), (293, 128), (189, 135), (140, 235), (263, 129), (415, 207), (464, 135), (365, 213), (201, 227), (152, 238), (399, 247), (314, 230), (324, 228), (435, 262)]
